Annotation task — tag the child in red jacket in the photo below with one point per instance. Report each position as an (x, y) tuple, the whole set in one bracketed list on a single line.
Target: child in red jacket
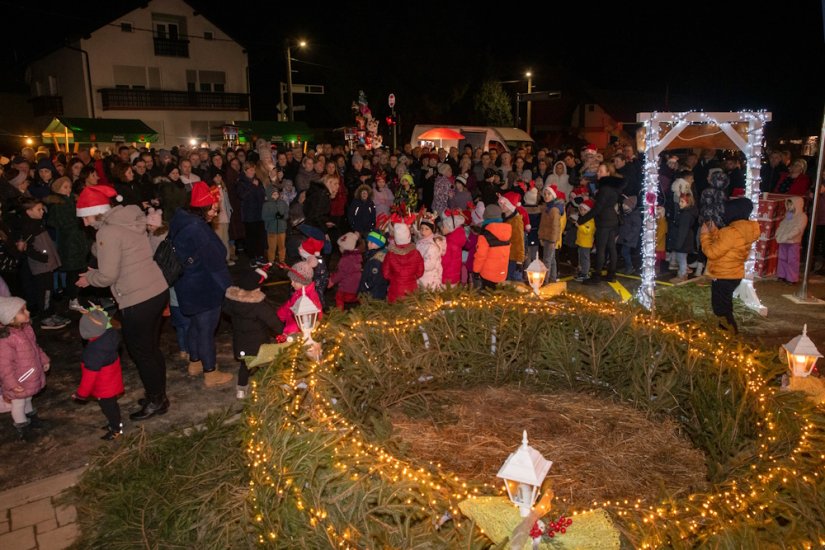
[(101, 376), (403, 265), (301, 276)]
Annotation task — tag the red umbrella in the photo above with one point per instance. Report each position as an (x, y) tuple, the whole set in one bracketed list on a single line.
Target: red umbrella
[(440, 133)]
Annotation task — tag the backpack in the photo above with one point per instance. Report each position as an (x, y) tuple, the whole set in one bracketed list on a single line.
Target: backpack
[(168, 263)]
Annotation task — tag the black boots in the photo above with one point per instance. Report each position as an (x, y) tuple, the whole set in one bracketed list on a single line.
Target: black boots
[(35, 422), (151, 406), (112, 433), (24, 431)]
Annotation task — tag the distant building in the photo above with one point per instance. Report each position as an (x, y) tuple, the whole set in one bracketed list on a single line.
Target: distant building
[(164, 64)]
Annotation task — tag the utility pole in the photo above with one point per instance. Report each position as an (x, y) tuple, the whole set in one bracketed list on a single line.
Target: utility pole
[(290, 113), (529, 76)]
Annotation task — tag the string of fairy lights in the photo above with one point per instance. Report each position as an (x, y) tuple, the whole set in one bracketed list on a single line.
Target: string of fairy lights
[(312, 409), (646, 294)]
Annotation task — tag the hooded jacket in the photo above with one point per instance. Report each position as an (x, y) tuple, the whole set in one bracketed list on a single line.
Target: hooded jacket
[(124, 258), (402, 268), (21, 363), (361, 213), (431, 248), (372, 281), (492, 253), (792, 228), (254, 320), (348, 272), (729, 247), (252, 199), (205, 277), (101, 374)]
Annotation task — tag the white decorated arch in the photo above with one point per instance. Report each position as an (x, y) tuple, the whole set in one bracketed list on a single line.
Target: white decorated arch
[(662, 131)]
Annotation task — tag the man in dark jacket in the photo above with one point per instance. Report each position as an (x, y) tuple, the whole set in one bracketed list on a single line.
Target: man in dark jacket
[(606, 215), (771, 172), (317, 205)]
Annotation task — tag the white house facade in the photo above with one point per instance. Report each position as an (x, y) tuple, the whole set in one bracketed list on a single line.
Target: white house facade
[(164, 64)]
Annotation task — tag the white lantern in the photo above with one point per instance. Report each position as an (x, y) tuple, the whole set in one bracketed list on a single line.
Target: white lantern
[(536, 273), (306, 315), (523, 473), (802, 354)]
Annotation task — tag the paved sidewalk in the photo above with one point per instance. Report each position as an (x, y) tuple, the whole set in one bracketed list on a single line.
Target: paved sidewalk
[(30, 519)]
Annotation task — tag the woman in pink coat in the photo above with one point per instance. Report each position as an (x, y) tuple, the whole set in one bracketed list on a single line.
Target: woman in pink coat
[(23, 364), (452, 225)]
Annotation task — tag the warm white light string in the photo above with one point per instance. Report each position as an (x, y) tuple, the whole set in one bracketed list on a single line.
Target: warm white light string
[(646, 295)]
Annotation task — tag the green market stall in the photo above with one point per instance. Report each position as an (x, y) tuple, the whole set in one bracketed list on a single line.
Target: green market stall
[(64, 131), (291, 133)]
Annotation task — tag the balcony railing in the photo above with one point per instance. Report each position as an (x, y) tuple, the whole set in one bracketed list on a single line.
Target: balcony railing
[(43, 105), (171, 47), (116, 98)]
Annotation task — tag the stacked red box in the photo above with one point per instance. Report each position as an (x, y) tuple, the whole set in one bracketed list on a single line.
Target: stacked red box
[(769, 214)]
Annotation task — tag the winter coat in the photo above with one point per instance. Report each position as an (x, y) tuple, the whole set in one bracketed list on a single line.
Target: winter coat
[(407, 197), (41, 251), (285, 311), (712, 204), (451, 260), (72, 244), (254, 320), (317, 206), (685, 230), (348, 273), (442, 191), (402, 268), (372, 277), (631, 228), (460, 199), (205, 277), (100, 372), (550, 222), (585, 233), (515, 221), (770, 176), (304, 178), (788, 185), (172, 195), (728, 248), (124, 258), (605, 210), (383, 200), (492, 253), (236, 227), (792, 228), (252, 200), (361, 214), (431, 248), (534, 214), (275, 214), (21, 363)]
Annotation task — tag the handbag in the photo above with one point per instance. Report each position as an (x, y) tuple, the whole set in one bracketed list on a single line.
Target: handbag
[(167, 261)]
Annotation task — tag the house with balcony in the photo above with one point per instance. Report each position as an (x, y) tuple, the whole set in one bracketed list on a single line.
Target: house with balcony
[(163, 63)]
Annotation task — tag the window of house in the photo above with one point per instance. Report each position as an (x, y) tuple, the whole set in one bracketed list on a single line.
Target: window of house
[(126, 27), (130, 76), (205, 81)]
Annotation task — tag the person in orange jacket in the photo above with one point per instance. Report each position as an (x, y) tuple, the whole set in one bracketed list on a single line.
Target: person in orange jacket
[(492, 254), (726, 250)]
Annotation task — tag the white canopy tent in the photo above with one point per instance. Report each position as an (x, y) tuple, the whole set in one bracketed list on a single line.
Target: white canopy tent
[(743, 130)]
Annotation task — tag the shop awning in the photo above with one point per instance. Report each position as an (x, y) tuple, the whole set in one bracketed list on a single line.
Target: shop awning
[(98, 130), (274, 131)]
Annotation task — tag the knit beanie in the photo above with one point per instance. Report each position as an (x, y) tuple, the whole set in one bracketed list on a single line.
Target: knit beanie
[(301, 273), (401, 233), (93, 323), (478, 213), (9, 308), (492, 212), (377, 239), (347, 241), (154, 217)]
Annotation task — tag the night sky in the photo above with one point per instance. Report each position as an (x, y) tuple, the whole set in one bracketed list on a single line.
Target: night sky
[(432, 57)]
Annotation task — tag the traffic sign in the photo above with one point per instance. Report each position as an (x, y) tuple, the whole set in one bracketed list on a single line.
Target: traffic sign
[(391, 100)]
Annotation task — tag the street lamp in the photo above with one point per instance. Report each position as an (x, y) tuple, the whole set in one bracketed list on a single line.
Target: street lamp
[(529, 75), (802, 354), (300, 44), (523, 473)]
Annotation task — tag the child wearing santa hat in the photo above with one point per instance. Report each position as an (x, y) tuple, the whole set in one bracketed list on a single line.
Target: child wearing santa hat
[(347, 275), (403, 265), (585, 233), (511, 217), (310, 251)]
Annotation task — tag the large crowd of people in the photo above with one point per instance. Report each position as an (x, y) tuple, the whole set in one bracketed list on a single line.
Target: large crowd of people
[(86, 227)]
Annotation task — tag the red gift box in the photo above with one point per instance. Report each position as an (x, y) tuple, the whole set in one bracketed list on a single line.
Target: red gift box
[(767, 229), (772, 207), (765, 248), (766, 267)]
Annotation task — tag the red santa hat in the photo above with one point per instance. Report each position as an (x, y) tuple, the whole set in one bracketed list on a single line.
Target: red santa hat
[(513, 197), (202, 195), (551, 190), (312, 247), (587, 205), (506, 204), (96, 199)]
